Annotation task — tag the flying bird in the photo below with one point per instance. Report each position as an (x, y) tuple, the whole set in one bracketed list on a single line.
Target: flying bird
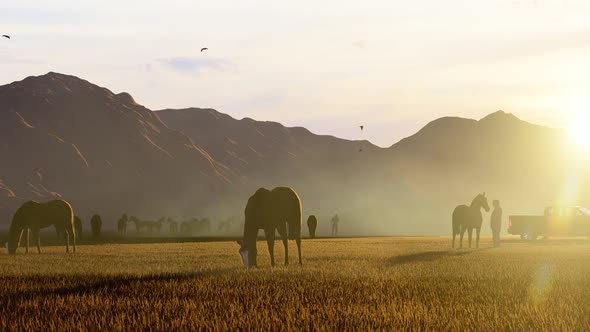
[(203, 49), (362, 127), (361, 150), (6, 36)]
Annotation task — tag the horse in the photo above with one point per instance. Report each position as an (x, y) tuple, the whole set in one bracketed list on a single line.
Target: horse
[(275, 210), (78, 226), (139, 224), (312, 224), (95, 225), (469, 217), (33, 216)]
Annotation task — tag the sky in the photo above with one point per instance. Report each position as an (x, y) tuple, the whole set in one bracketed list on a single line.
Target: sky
[(328, 65)]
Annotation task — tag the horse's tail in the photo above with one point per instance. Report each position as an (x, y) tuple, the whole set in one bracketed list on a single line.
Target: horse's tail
[(294, 223), (457, 220)]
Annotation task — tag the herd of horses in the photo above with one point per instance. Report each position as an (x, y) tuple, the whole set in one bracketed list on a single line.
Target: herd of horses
[(276, 210), (191, 226)]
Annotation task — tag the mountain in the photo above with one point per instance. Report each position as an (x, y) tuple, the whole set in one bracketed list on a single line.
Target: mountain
[(61, 136), (261, 150)]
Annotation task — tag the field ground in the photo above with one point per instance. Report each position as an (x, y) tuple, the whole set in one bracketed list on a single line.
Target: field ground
[(345, 284)]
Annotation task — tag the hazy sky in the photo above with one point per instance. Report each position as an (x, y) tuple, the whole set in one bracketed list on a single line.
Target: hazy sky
[(329, 65)]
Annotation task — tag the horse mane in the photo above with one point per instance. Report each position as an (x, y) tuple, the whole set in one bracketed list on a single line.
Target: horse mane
[(474, 200)]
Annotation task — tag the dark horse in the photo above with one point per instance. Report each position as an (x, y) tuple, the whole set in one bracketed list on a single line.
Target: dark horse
[(469, 217), (271, 210), (312, 224)]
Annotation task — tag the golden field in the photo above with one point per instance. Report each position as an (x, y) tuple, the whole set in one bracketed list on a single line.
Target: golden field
[(344, 284)]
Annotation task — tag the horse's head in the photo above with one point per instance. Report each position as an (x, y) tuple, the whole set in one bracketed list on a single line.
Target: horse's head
[(11, 245), (244, 254), (481, 201)]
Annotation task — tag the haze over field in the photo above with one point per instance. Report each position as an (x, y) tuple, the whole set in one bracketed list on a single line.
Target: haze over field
[(66, 137)]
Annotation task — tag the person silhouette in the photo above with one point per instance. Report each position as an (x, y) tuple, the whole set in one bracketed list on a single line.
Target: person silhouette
[(335, 221), (496, 222)]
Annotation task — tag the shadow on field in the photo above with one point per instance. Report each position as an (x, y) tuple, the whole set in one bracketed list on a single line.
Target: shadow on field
[(427, 256), (93, 284), (555, 241)]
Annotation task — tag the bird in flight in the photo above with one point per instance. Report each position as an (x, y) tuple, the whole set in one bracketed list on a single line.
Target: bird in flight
[(6, 36), (360, 150), (204, 49), (362, 127)]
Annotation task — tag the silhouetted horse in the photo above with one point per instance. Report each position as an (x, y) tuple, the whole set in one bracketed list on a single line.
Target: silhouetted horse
[(469, 217), (276, 210), (95, 226), (312, 224)]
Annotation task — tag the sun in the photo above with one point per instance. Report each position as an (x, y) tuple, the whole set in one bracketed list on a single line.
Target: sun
[(579, 130)]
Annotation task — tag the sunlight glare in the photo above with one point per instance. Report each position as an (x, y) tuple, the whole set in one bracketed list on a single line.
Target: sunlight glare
[(579, 130)]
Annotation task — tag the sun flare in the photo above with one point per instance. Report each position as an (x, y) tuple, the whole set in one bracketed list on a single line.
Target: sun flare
[(579, 130)]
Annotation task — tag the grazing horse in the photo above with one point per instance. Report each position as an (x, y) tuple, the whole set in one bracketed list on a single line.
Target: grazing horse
[(275, 210), (469, 217), (34, 216), (312, 224)]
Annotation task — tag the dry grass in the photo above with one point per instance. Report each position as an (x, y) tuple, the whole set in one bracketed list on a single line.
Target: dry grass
[(344, 284)]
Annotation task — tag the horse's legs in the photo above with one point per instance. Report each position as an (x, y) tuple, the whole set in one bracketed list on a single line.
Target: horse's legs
[(269, 233), (477, 230), (67, 233), (19, 238), (298, 241), (461, 237), (283, 232), (28, 240), (38, 236), (470, 232)]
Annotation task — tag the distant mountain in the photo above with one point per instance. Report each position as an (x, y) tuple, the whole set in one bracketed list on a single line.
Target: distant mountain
[(61, 136), (262, 149)]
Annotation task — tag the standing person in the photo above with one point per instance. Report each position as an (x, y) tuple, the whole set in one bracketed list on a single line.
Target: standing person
[(496, 222), (335, 221)]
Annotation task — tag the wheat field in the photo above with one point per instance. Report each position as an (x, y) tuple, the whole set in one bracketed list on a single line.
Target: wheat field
[(345, 284)]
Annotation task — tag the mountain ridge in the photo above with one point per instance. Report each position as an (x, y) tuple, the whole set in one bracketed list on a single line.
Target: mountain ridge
[(61, 136)]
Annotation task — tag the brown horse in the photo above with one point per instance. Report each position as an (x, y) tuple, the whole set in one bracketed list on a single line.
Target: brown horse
[(34, 216), (96, 226), (276, 210), (469, 217)]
